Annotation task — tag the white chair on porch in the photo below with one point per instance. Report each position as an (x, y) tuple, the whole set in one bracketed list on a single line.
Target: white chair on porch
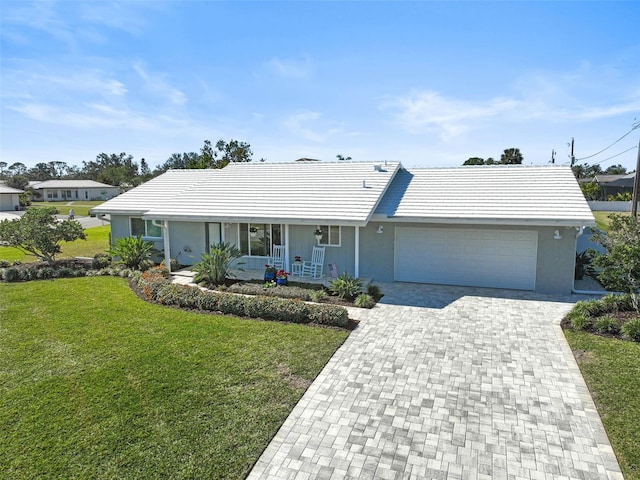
[(277, 257), (314, 267)]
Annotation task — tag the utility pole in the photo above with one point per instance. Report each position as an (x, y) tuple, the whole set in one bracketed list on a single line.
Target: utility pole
[(553, 156), (636, 187), (573, 158)]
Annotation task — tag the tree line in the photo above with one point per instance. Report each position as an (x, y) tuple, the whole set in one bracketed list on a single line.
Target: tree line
[(120, 169)]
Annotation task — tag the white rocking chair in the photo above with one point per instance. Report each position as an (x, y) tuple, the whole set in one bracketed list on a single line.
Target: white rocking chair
[(314, 267), (278, 257)]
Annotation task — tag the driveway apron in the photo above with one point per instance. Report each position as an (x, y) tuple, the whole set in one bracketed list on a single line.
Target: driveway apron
[(447, 382)]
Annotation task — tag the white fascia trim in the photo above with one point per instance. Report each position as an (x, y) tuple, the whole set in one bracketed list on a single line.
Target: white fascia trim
[(533, 222), (285, 221), (137, 213)]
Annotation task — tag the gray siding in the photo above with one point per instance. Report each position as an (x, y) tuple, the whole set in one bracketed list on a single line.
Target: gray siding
[(187, 241), (554, 269)]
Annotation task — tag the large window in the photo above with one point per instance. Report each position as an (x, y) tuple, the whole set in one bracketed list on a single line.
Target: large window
[(330, 235), (145, 228), (256, 239)]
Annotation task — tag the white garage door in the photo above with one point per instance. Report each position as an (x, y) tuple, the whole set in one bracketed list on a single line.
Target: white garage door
[(472, 257)]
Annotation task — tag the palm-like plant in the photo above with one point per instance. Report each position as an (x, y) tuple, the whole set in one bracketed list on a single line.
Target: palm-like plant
[(215, 266)]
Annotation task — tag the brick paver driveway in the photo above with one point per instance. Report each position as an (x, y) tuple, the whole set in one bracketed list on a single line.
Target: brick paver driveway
[(447, 382)]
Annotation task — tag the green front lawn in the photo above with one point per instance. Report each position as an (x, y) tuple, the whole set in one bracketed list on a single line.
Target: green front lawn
[(611, 368), (80, 207), (602, 219), (97, 242), (96, 383)]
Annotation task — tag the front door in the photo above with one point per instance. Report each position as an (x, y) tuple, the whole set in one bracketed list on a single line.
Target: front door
[(212, 234)]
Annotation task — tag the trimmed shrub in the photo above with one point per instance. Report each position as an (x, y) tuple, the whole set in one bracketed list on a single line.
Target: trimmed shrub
[(586, 308), (317, 295), (10, 274), (151, 281), (580, 322), (100, 261), (4, 264), (208, 301), (270, 290), (364, 301), (607, 325), (329, 315), (374, 290), (631, 329), (65, 272), (346, 287), (45, 273)]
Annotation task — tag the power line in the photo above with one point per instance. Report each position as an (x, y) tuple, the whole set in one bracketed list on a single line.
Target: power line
[(616, 155), (636, 125)]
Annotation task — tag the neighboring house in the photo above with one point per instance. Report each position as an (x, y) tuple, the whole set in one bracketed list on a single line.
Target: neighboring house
[(499, 226), (611, 185), (9, 198), (72, 190)]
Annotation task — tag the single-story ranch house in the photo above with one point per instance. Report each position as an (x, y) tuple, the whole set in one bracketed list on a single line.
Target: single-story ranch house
[(71, 190), (492, 226), (9, 198)]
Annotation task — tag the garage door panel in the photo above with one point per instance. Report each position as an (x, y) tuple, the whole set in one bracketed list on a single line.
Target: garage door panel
[(474, 257)]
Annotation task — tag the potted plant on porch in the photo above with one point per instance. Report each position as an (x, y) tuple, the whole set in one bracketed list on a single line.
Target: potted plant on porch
[(270, 273), (281, 277), (318, 234)]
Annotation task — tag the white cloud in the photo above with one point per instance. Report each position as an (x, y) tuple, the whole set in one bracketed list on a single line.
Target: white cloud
[(157, 83), (290, 68), (305, 124), (430, 111)]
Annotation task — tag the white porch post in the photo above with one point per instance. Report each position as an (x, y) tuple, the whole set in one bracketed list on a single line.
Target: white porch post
[(167, 245), (286, 247), (356, 272), (223, 232)]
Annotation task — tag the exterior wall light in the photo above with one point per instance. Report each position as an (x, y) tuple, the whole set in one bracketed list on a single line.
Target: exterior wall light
[(380, 229), (556, 235)]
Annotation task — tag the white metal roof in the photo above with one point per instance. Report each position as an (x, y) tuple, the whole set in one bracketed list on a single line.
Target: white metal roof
[(69, 184), (518, 195), (5, 189), (344, 193)]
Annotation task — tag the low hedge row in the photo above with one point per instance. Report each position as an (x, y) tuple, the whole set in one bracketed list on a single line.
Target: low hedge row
[(601, 316), (154, 285)]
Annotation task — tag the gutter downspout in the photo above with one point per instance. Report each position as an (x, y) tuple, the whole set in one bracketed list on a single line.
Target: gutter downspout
[(356, 272)]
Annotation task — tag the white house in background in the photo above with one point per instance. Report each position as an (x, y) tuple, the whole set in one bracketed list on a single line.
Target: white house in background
[(491, 226), (9, 199), (72, 190)]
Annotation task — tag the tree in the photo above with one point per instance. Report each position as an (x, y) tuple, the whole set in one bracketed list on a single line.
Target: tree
[(620, 263), (40, 233), (615, 170), (342, 158), (3, 169), (17, 181), (474, 161), (586, 171), (511, 156), (590, 190), (17, 168), (490, 161), (234, 151), (145, 171)]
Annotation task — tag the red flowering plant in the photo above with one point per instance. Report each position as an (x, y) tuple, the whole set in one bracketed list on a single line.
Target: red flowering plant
[(281, 274)]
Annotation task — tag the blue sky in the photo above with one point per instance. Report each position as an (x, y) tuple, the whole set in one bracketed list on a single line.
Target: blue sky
[(426, 83)]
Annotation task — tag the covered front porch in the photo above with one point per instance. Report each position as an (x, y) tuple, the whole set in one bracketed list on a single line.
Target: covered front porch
[(185, 276)]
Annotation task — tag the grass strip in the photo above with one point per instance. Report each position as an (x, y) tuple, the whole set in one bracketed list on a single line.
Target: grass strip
[(611, 369)]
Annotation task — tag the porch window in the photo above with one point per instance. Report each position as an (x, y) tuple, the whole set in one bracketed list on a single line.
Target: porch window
[(144, 228), (257, 239), (330, 235)]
